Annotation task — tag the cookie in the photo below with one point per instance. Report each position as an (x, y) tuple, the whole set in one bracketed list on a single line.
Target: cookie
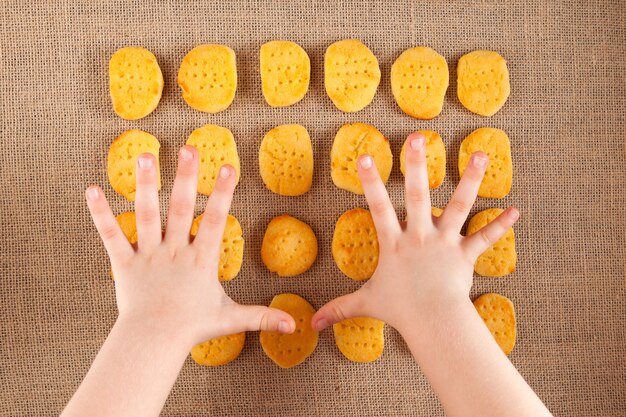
[(286, 160), (419, 80), (498, 313), (128, 224), (500, 258), (231, 248), (219, 351), (499, 174), (360, 339), (289, 350), (435, 158), (355, 244), (217, 147), (289, 246), (122, 160), (436, 211), (351, 75), (483, 82), (208, 78), (135, 82), (285, 73), (353, 140)]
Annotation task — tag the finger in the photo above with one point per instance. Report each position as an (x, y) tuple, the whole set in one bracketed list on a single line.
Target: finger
[(383, 214), (183, 199), (341, 308), (209, 236), (147, 203), (115, 243), (416, 185), (465, 194), (253, 318), (477, 243)]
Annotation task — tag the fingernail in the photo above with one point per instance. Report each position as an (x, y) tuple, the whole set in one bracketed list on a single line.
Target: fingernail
[(283, 327), (417, 143), (224, 172), (513, 214), (145, 162), (185, 155), (92, 194), (321, 324), (479, 161), (366, 162)]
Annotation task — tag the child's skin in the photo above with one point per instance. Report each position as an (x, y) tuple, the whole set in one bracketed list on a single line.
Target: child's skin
[(169, 297)]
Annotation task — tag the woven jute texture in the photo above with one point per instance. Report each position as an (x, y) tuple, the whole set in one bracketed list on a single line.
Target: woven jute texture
[(565, 118)]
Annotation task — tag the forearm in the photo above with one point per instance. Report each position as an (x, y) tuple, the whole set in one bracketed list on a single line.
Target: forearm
[(132, 374), (467, 369)]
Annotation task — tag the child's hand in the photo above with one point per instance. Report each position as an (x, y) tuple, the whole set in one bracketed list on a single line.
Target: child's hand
[(426, 263), (167, 282)]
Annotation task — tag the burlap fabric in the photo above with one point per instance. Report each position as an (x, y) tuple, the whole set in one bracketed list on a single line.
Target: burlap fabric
[(565, 118)]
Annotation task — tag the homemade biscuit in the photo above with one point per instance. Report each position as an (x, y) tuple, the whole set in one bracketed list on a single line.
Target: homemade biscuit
[(355, 244), (219, 351), (128, 224), (286, 160), (435, 158), (217, 147), (289, 246), (135, 82), (208, 77), (289, 350), (436, 211), (351, 75), (231, 248), (419, 80), (499, 174), (483, 82), (353, 140), (498, 313), (122, 160), (285, 72), (500, 258), (360, 339)]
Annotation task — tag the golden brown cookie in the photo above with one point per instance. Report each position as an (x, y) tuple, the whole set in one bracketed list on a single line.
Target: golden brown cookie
[(419, 80), (219, 351), (500, 258), (360, 339), (122, 160), (128, 224), (351, 75), (135, 82), (355, 244), (498, 313), (435, 158), (289, 350), (286, 160), (483, 82), (231, 249), (217, 147), (289, 246), (285, 72), (208, 77), (436, 211), (353, 140), (499, 174)]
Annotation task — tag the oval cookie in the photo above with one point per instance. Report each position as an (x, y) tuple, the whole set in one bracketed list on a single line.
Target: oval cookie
[(498, 313), (128, 224), (435, 158), (360, 339), (289, 246), (285, 73), (351, 75), (135, 82), (353, 140), (500, 259), (219, 351), (208, 77), (286, 160), (499, 174), (419, 80), (355, 244), (217, 147), (483, 82), (289, 350), (231, 248), (122, 160)]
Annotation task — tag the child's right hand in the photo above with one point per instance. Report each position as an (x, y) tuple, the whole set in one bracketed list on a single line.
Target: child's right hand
[(425, 264)]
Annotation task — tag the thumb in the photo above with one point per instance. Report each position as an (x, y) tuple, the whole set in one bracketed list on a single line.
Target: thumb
[(253, 318), (341, 308)]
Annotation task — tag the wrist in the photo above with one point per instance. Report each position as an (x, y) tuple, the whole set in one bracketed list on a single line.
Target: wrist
[(155, 330)]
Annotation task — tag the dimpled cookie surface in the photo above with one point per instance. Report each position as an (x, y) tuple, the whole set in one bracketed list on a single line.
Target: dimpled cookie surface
[(483, 82), (360, 339), (498, 313), (285, 72), (355, 244), (500, 258), (289, 246), (219, 351)]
